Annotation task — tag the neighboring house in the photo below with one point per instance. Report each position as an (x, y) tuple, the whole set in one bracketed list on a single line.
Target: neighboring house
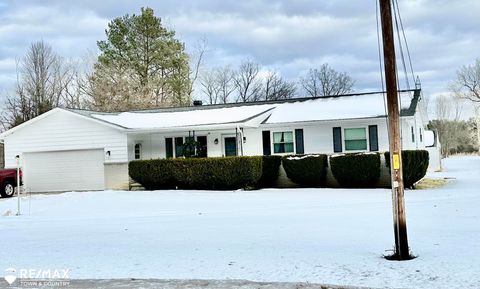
[(66, 149)]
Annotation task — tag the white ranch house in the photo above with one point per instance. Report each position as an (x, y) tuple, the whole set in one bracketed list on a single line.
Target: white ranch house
[(67, 149)]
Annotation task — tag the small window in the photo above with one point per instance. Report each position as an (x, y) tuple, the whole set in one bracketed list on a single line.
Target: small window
[(168, 147), (202, 146), (355, 139), (138, 151), (413, 134), (178, 147), (188, 147), (283, 142)]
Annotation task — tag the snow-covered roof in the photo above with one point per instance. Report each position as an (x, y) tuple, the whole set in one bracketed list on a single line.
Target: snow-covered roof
[(231, 115), (353, 106)]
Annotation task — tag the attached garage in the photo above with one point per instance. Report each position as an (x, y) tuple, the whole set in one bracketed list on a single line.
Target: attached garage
[(64, 170), (63, 150)]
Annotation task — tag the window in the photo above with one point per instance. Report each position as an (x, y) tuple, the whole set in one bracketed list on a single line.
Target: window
[(178, 147), (421, 136), (283, 142), (202, 146), (189, 147), (355, 139), (413, 134), (186, 146), (168, 147), (138, 151)]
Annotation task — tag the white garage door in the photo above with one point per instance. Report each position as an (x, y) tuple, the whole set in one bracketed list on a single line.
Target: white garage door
[(64, 170)]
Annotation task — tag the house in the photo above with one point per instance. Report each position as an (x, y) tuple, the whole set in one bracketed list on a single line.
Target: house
[(68, 149)]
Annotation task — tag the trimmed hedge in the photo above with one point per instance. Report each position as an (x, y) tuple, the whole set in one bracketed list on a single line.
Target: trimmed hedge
[(306, 170), (356, 170), (225, 173), (415, 165), (270, 170)]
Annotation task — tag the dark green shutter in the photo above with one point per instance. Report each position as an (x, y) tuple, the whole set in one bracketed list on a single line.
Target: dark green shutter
[(266, 143), (337, 139), (373, 137), (168, 147), (299, 141)]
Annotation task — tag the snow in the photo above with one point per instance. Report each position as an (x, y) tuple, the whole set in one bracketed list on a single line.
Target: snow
[(333, 236), (334, 108), (303, 157), (320, 109), (184, 118)]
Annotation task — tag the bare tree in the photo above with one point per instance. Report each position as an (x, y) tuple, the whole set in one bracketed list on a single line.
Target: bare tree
[(467, 84), (210, 86), (226, 83), (447, 121), (326, 82), (276, 88), (196, 62), (41, 74), (218, 84), (247, 82), (76, 88), (42, 80)]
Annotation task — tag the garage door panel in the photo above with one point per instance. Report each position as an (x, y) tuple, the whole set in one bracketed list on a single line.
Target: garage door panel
[(64, 170)]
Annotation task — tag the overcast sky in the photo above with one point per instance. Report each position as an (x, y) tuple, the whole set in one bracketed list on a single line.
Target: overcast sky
[(289, 36)]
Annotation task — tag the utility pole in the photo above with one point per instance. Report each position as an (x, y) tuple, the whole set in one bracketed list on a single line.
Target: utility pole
[(399, 219)]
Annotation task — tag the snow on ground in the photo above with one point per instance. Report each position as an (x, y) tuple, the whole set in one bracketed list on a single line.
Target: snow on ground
[(333, 236)]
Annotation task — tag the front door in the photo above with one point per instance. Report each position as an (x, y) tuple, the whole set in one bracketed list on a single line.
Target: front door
[(230, 146)]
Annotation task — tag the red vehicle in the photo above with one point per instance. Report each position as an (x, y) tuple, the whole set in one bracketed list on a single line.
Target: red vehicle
[(8, 179)]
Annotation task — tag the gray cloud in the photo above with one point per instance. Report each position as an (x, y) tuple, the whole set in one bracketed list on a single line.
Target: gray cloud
[(290, 36)]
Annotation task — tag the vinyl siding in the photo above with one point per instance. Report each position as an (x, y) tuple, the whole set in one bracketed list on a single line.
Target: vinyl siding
[(63, 130)]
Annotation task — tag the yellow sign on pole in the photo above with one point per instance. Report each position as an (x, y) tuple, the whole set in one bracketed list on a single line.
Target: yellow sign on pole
[(396, 162)]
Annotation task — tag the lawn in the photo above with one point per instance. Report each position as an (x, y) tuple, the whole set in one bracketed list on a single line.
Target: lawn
[(333, 236)]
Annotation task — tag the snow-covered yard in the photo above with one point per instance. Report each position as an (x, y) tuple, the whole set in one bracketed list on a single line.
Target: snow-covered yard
[(332, 236)]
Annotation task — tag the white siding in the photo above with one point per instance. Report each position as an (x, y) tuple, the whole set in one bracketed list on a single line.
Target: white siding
[(318, 138), (63, 130), (153, 145)]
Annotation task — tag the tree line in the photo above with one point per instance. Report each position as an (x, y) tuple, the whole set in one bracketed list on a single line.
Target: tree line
[(249, 82), (458, 135), (141, 64)]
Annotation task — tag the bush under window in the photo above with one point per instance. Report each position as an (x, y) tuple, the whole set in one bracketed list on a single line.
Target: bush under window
[(360, 170), (226, 173), (306, 170)]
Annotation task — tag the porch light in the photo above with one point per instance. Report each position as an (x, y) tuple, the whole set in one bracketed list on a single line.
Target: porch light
[(107, 154), (215, 141)]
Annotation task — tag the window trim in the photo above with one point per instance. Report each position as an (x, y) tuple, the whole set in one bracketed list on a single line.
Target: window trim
[(344, 139), (272, 143), (140, 152)]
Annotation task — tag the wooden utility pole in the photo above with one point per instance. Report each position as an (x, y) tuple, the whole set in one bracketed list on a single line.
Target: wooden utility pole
[(399, 219)]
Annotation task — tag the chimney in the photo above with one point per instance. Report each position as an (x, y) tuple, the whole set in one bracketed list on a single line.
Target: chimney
[(197, 103)]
